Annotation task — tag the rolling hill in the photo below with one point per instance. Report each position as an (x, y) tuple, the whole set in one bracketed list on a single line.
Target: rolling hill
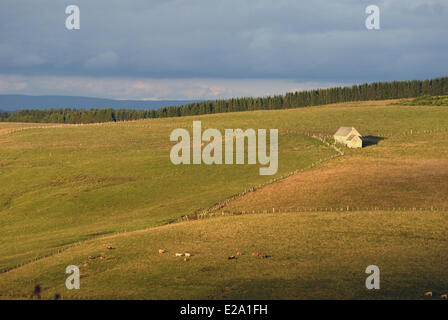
[(70, 192), (10, 103)]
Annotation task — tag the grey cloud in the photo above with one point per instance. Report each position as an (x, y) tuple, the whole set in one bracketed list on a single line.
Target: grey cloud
[(28, 60), (304, 40), (144, 88), (103, 60)]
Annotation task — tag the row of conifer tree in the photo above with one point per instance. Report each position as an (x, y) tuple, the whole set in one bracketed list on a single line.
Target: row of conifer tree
[(371, 91)]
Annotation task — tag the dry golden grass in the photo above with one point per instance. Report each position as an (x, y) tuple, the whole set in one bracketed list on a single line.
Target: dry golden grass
[(357, 182), (64, 189), (404, 170), (311, 256), (7, 127)]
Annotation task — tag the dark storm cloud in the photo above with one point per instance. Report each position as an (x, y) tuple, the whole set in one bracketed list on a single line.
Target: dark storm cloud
[(305, 40)]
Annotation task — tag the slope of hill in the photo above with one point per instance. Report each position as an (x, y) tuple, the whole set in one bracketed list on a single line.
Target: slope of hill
[(311, 256), (11, 103), (69, 192), (68, 183)]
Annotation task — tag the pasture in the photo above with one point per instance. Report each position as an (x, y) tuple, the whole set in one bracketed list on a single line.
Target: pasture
[(68, 192)]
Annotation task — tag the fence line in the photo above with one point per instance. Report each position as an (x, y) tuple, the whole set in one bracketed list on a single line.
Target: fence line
[(122, 123), (314, 134), (308, 209), (219, 205)]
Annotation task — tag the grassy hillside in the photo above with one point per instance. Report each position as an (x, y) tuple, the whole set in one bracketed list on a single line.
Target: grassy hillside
[(406, 171), (425, 100), (312, 256), (66, 184), (69, 184)]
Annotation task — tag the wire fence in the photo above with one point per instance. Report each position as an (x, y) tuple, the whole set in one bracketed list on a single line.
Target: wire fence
[(309, 209)]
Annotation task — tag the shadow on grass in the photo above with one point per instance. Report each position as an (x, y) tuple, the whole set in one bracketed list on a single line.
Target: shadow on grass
[(371, 140)]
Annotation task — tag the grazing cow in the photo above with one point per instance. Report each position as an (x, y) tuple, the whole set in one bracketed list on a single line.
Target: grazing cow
[(261, 255)]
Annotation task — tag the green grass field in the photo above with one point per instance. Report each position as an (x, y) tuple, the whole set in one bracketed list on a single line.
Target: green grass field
[(425, 100), (312, 255), (67, 193)]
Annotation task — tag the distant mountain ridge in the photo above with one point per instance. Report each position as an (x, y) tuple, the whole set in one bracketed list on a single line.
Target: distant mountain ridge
[(11, 102)]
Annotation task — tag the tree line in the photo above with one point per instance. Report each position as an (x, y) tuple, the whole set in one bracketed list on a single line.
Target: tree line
[(363, 92)]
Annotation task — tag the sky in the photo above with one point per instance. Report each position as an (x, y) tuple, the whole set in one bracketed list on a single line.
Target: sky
[(211, 49)]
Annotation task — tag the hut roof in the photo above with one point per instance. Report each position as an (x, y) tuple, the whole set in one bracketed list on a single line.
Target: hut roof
[(343, 131)]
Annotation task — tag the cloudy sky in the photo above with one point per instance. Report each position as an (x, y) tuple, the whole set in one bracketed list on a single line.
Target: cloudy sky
[(202, 49)]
